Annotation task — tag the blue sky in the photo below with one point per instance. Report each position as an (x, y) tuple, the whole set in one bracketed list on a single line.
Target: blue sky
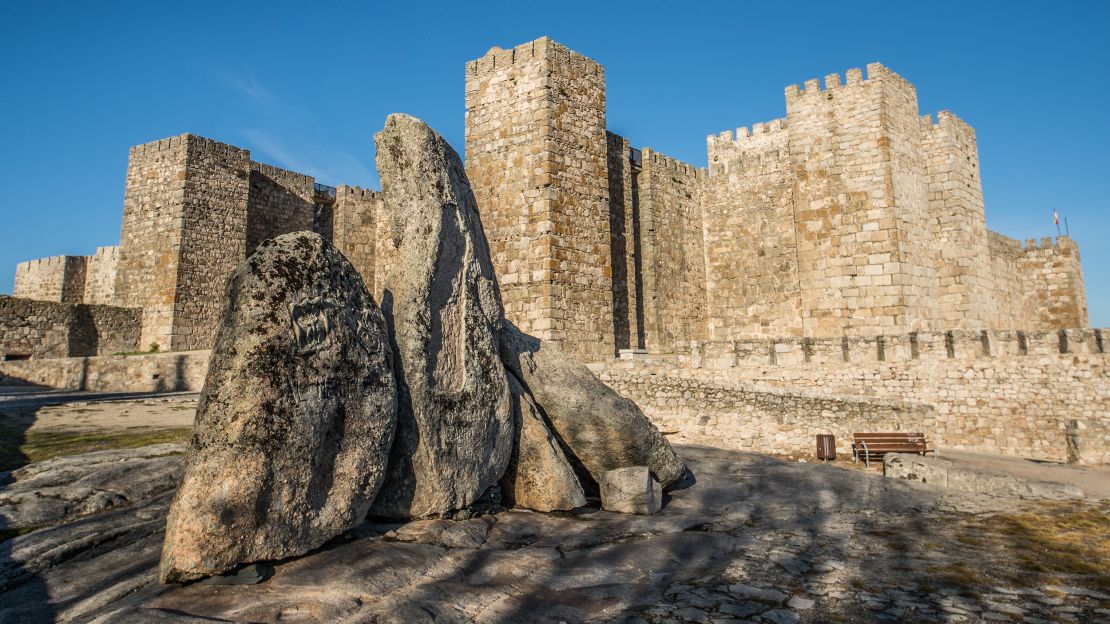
[(304, 86)]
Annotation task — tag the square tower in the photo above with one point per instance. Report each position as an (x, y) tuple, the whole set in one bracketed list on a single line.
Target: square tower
[(536, 153), (865, 263), (184, 231)]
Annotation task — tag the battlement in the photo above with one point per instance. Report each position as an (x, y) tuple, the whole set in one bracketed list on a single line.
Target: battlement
[(955, 344), (542, 48), (654, 158), (356, 192), (853, 78), (757, 136), (1003, 243), (947, 119), (47, 263), (187, 140), (285, 177)]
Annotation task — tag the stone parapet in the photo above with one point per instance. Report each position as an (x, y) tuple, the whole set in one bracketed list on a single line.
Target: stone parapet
[(156, 372)]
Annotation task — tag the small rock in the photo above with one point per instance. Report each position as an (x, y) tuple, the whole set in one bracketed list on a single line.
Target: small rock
[(800, 603), (692, 615), (781, 616), (630, 490), (742, 610), (757, 593)]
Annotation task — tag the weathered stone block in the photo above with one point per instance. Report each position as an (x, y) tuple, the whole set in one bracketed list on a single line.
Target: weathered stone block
[(630, 490)]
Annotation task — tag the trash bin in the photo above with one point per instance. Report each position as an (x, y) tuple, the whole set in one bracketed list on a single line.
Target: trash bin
[(826, 447)]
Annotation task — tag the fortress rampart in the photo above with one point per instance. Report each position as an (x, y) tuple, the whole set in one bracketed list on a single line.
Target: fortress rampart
[(1010, 392)]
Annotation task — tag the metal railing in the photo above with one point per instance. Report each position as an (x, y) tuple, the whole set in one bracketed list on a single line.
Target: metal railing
[(323, 190)]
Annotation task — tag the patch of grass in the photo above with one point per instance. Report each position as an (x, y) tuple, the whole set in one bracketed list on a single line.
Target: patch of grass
[(1075, 542), (7, 534), (18, 449), (969, 540), (960, 576)]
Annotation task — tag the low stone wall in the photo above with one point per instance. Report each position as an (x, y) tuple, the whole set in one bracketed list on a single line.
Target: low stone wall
[(1017, 404), (748, 417), (155, 372), (44, 329)]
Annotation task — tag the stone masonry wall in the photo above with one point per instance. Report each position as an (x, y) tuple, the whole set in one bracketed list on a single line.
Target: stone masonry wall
[(280, 202), (859, 204), (726, 414), (1035, 285), (673, 252), (59, 278), (966, 289), (1052, 275), (751, 238), (536, 153), (1008, 392), (43, 329), (100, 276), (350, 224), (625, 244), (150, 237), (213, 240), (183, 371)]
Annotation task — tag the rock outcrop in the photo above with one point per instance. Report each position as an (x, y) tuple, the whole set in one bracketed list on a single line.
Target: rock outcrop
[(297, 415), (455, 424), (539, 476), (602, 430)]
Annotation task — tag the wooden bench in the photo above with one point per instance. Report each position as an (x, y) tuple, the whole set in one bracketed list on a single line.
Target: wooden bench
[(868, 446)]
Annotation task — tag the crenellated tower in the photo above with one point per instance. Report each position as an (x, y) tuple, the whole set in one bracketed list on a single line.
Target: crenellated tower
[(536, 152)]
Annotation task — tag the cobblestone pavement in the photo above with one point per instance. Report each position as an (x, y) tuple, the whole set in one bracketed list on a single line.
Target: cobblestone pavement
[(757, 539)]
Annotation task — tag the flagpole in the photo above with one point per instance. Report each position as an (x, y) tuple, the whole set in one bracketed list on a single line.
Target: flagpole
[(1067, 232)]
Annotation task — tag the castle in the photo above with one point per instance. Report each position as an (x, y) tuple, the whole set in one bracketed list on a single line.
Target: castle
[(852, 216)]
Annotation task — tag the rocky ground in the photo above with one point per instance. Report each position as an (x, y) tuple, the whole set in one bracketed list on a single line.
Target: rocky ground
[(756, 539)]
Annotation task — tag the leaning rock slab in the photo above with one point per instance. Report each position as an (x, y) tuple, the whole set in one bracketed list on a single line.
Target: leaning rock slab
[(455, 424), (603, 430), (296, 419), (630, 490), (539, 476)]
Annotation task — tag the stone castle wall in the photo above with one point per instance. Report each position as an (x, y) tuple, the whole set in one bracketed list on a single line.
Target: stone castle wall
[(280, 202), (58, 278), (350, 224), (1005, 392), (183, 371), (672, 248), (151, 232), (100, 276), (751, 242), (46, 329), (69, 279), (624, 243)]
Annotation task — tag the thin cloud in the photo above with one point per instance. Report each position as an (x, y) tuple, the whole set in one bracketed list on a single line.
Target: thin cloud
[(290, 135)]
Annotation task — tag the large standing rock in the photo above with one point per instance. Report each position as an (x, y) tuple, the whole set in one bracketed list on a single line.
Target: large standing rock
[(601, 429), (539, 476), (295, 422), (455, 428)]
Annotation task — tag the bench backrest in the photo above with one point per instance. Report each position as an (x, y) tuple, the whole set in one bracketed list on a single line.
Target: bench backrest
[(891, 441)]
